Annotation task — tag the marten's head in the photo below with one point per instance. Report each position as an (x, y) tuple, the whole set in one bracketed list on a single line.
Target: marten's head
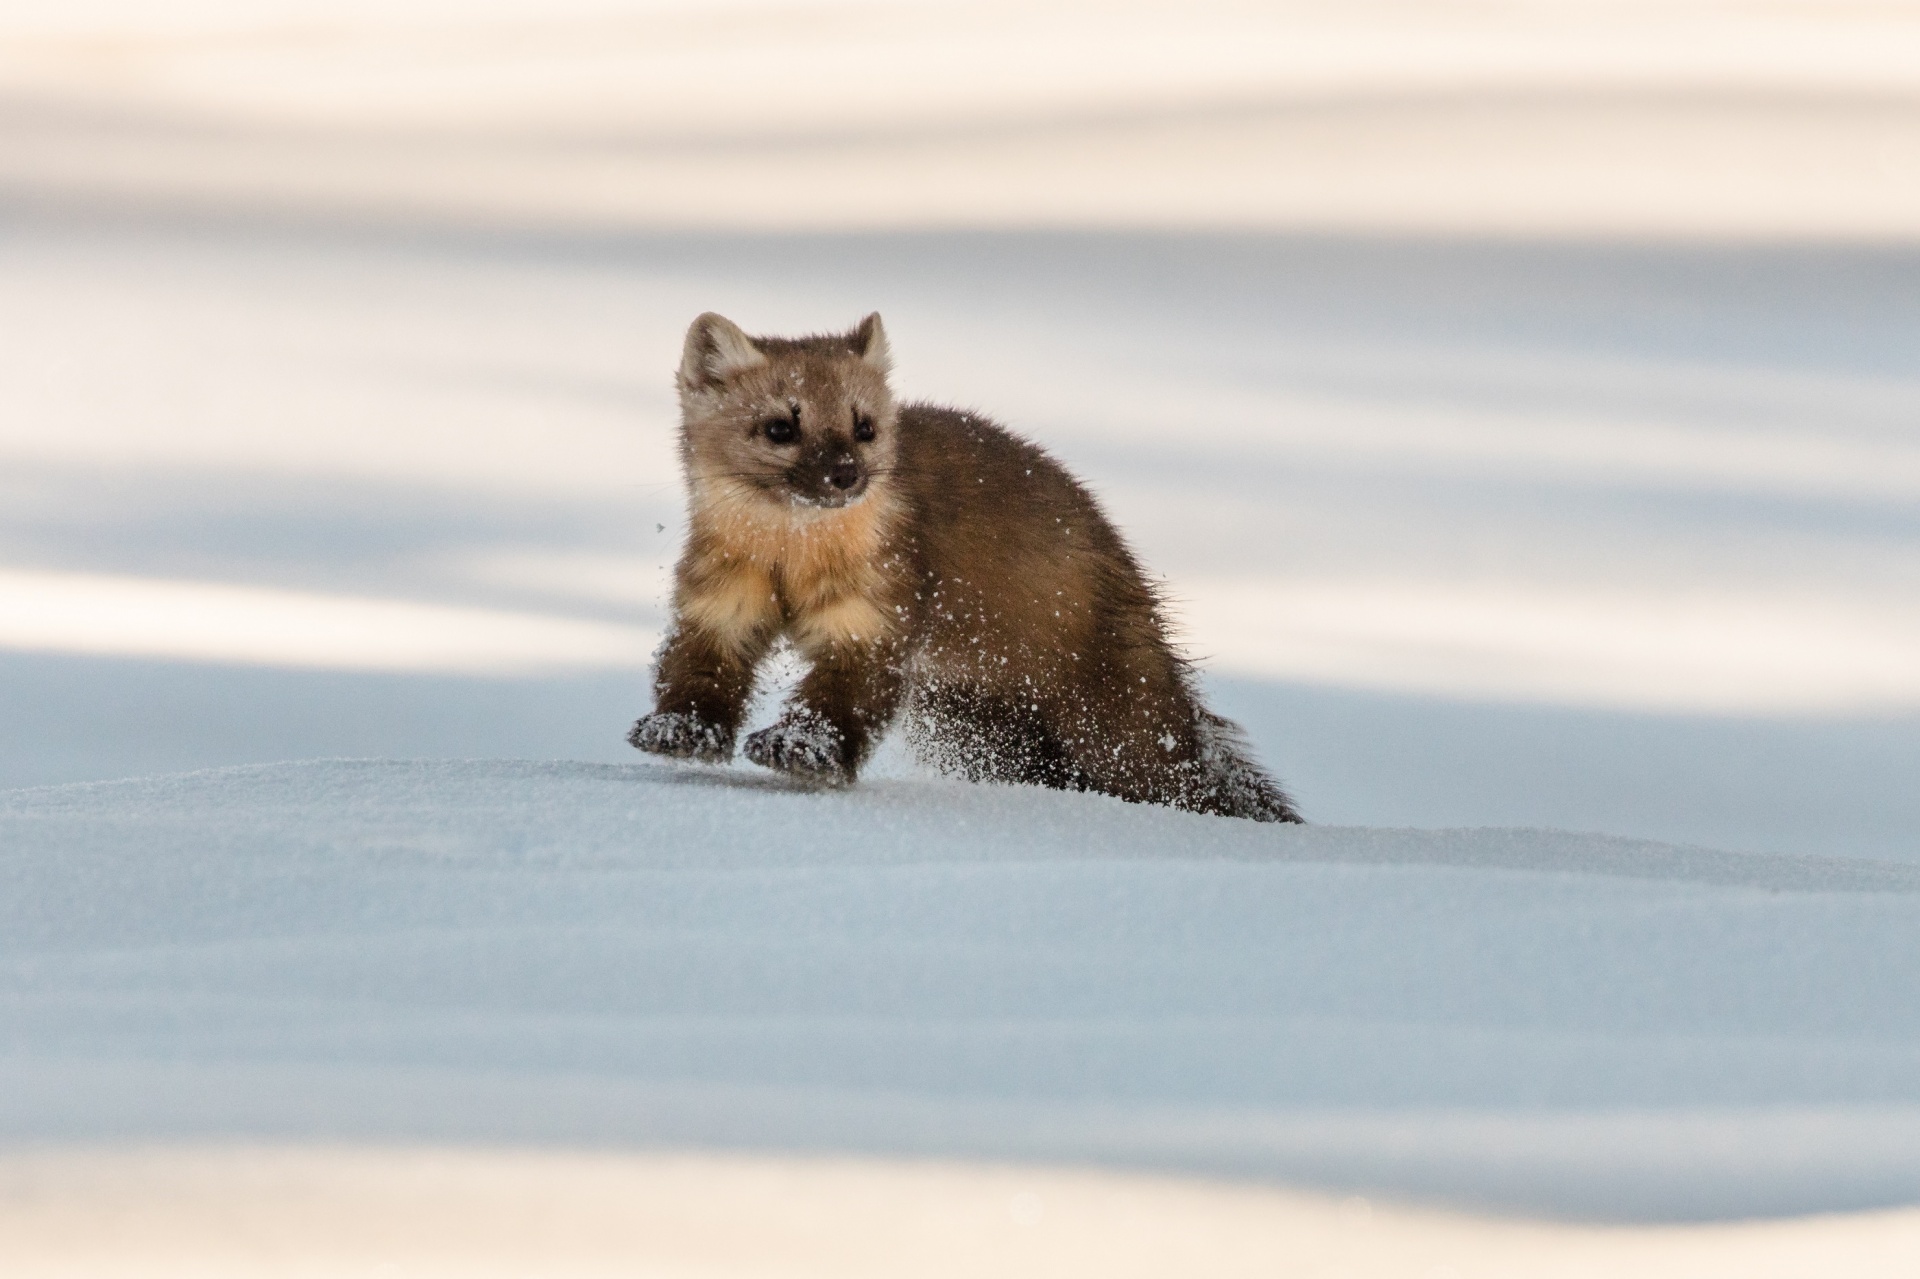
[(800, 423)]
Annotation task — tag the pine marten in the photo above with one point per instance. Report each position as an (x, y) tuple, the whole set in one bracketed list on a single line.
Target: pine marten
[(930, 567)]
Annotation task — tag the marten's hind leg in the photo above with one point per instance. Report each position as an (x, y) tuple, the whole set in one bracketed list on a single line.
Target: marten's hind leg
[(1140, 734), (988, 737)]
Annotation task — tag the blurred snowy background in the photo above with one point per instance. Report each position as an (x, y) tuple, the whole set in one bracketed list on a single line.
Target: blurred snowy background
[(1522, 399)]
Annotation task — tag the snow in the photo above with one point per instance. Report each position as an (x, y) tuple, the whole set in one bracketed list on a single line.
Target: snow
[(505, 1214), (652, 955), (125, 616), (1772, 121)]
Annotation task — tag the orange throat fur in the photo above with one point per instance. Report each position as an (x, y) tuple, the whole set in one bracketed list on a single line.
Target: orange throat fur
[(755, 567)]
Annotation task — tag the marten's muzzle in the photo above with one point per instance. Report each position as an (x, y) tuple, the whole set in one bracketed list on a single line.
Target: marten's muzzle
[(828, 479)]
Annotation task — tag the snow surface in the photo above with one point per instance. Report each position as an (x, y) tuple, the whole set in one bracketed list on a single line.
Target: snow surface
[(647, 955)]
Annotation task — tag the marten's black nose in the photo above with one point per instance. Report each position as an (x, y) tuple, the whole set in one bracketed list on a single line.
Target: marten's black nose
[(845, 473)]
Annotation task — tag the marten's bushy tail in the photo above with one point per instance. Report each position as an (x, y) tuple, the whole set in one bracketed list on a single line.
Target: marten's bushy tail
[(1230, 783)]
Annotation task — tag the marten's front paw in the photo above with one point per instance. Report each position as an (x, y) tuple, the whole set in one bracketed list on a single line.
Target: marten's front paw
[(682, 736), (807, 748)]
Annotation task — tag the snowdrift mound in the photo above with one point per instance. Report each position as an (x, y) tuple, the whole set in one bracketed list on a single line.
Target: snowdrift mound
[(571, 953)]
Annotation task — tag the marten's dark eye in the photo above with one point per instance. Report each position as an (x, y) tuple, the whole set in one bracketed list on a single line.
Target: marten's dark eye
[(862, 426), (783, 430)]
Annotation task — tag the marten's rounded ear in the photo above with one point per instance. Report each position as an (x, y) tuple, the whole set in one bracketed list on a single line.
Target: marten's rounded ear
[(870, 343), (716, 349)]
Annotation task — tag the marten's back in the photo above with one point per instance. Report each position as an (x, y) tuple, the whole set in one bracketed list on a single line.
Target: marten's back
[(1017, 561)]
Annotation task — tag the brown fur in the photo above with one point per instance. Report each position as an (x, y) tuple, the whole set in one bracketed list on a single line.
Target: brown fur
[(955, 573)]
